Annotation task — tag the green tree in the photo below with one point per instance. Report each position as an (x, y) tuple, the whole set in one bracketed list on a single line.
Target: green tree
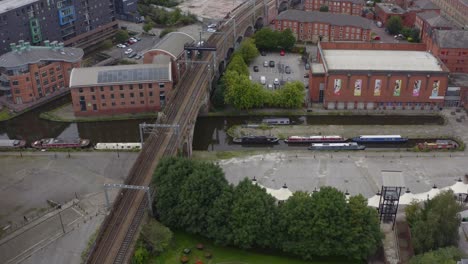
[(291, 95), (363, 226), (448, 255), (121, 35), (323, 8), (252, 217), (241, 92), (329, 223), (266, 39), (106, 44), (197, 194), (286, 39), (175, 16), (238, 65), (248, 50), (414, 34), (435, 224), (218, 228), (156, 235), (148, 26), (406, 32), (295, 225), (218, 96), (394, 25), (170, 174), (141, 255)]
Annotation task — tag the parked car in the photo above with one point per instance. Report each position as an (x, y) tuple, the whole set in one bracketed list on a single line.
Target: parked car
[(265, 64), (213, 25), (276, 82), (262, 80), (132, 39), (263, 53), (270, 86), (131, 55), (211, 30), (307, 66), (282, 53), (376, 38), (128, 51), (138, 56), (130, 42), (121, 46), (138, 39), (306, 75), (287, 70), (399, 37), (272, 64), (255, 68)]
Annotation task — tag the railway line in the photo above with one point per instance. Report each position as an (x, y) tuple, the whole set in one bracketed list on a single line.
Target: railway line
[(118, 230)]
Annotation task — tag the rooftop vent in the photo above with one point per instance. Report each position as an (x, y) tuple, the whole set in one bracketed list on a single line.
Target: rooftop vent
[(46, 43), (13, 47)]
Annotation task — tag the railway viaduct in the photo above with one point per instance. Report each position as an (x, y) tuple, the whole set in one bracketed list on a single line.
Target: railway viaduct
[(118, 233)]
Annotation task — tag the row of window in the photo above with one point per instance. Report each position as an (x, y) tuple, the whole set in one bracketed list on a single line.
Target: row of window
[(320, 26), (121, 87), (122, 95), (113, 104)]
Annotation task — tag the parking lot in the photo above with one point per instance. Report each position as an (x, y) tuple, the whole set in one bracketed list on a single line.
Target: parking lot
[(293, 60)]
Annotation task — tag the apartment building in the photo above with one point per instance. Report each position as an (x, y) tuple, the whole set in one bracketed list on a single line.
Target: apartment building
[(454, 10), (80, 23), (451, 47), (320, 26), (350, 7), (428, 22)]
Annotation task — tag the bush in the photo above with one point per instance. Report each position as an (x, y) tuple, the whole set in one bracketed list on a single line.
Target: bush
[(157, 236), (166, 31)]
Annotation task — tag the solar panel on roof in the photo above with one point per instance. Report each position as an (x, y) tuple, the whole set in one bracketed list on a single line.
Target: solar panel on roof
[(132, 75)]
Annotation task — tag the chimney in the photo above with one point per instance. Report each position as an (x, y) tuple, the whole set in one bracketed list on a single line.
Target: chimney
[(60, 46), (18, 48), (21, 43), (46, 43), (13, 47), (53, 44), (27, 45)]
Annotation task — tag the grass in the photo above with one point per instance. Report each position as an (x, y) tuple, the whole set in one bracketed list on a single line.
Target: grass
[(226, 255), (5, 114)]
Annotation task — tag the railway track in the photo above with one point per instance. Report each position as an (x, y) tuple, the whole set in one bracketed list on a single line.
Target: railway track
[(120, 226)]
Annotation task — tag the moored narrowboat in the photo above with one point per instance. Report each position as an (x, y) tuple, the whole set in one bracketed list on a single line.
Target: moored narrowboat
[(380, 139), (256, 140), (12, 143), (60, 143), (314, 139), (438, 144), (336, 146)]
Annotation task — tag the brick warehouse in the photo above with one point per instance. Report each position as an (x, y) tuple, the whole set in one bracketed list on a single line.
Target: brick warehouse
[(112, 90), (377, 76), (33, 72)]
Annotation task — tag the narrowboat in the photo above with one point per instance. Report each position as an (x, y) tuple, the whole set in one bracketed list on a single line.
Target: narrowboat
[(12, 143), (276, 121), (438, 144), (60, 143), (336, 146), (120, 146), (314, 139), (380, 139), (256, 140)]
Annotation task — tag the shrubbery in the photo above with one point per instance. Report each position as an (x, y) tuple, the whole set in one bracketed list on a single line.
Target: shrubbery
[(195, 196)]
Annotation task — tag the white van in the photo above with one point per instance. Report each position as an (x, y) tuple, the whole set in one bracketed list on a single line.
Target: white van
[(262, 80)]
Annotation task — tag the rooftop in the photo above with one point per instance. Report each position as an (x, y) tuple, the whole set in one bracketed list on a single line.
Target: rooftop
[(34, 54), (6, 5), (324, 17), (380, 60), (452, 39), (458, 79), (173, 43), (317, 68), (424, 4), (109, 75), (390, 8), (434, 19), (352, 1), (392, 178)]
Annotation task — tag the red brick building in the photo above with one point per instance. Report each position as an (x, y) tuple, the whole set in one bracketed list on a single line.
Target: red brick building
[(321, 26), (32, 72), (120, 89), (454, 10), (407, 11), (377, 75), (350, 7), (451, 47), (170, 48), (427, 22), (457, 92)]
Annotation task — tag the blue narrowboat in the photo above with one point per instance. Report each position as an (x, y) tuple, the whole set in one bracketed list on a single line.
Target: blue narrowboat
[(380, 139)]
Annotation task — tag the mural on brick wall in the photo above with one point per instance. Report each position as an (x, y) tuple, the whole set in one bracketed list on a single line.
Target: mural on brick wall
[(397, 90), (416, 87), (357, 87), (435, 88), (377, 87), (337, 87)]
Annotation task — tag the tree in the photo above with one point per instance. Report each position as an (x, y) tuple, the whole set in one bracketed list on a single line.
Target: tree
[(291, 96), (197, 194), (406, 32), (238, 65), (218, 228), (394, 25), (266, 39), (448, 255), (363, 226), (323, 9), (248, 50), (286, 39), (329, 223), (241, 92), (435, 224), (414, 34), (170, 174), (148, 26), (121, 35), (156, 235), (218, 96), (252, 217)]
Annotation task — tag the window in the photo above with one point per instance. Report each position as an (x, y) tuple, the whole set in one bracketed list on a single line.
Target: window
[(121, 87), (112, 96), (122, 95), (131, 86), (17, 91), (103, 96), (150, 93), (91, 89), (140, 86), (93, 97), (150, 85), (27, 79), (94, 107), (132, 103), (44, 74), (101, 88), (142, 102), (141, 94), (52, 79), (104, 104), (46, 82), (15, 82), (122, 103), (132, 95), (113, 103)]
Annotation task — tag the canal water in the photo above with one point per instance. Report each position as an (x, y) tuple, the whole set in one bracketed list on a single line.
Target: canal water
[(210, 132)]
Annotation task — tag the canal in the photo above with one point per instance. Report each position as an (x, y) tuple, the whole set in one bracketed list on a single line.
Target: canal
[(210, 132)]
